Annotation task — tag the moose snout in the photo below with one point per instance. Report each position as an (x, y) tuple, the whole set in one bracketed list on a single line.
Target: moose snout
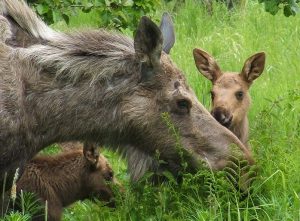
[(222, 115)]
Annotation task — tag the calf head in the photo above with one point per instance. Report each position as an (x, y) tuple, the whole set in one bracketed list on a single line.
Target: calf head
[(229, 94), (100, 177)]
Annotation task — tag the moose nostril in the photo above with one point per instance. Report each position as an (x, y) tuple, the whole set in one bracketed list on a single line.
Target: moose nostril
[(222, 116), (227, 121)]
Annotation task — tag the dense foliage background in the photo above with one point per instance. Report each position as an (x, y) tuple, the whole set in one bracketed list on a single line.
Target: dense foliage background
[(123, 14), (119, 14)]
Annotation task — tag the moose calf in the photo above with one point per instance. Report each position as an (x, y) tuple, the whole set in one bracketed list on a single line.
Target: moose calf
[(68, 177), (229, 94)]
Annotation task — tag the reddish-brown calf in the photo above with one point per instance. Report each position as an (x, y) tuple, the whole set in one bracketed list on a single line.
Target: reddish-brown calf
[(66, 178), (230, 96)]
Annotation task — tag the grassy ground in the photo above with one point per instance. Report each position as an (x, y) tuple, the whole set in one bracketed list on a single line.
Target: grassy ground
[(274, 122)]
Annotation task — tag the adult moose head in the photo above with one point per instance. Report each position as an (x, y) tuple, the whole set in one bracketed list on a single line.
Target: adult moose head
[(103, 87), (230, 96)]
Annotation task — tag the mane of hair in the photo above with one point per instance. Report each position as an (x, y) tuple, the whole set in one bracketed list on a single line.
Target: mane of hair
[(93, 54)]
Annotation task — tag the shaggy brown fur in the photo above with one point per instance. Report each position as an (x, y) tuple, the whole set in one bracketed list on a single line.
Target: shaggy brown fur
[(230, 91), (70, 146), (66, 178), (103, 87)]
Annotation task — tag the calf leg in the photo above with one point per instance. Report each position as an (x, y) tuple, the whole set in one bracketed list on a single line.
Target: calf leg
[(54, 212)]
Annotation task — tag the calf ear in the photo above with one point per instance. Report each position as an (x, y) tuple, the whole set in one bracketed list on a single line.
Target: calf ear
[(91, 152), (168, 32), (148, 46), (253, 67), (207, 65)]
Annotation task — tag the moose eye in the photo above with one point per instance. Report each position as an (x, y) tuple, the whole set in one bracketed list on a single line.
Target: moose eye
[(212, 95), (239, 95), (183, 105)]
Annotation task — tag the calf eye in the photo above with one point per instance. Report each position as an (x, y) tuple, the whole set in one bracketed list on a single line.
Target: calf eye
[(109, 176), (239, 95)]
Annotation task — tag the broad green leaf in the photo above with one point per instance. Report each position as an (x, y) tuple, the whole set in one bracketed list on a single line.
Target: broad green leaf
[(271, 7), (42, 9)]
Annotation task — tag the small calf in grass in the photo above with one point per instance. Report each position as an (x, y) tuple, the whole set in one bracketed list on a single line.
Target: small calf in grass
[(68, 177), (229, 94)]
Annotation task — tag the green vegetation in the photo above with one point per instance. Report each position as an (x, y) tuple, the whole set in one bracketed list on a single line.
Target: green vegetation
[(289, 7), (109, 13), (230, 37)]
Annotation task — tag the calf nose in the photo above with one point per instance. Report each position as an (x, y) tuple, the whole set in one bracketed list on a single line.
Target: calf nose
[(222, 116), (226, 120)]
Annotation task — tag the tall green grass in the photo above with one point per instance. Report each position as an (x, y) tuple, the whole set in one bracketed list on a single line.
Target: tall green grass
[(231, 37), (275, 112)]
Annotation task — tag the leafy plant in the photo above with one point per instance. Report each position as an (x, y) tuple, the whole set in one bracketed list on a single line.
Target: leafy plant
[(119, 14), (52, 11), (290, 7), (17, 216), (30, 204)]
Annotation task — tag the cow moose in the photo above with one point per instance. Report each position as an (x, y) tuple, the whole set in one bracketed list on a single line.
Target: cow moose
[(230, 91), (104, 87)]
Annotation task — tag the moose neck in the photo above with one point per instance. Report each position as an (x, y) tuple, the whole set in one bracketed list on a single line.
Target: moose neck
[(74, 111), (58, 93)]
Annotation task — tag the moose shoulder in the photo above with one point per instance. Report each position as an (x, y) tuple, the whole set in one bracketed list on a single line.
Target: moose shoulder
[(103, 87)]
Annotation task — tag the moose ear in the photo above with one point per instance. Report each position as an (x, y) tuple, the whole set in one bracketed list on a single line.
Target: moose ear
[(168, 32), (91, 152), (253, 67), (148, 46), (207, 65)]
